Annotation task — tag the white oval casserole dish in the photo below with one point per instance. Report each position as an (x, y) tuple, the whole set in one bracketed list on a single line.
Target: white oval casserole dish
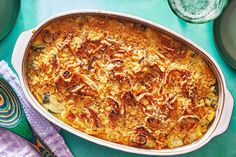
[(225, 103)]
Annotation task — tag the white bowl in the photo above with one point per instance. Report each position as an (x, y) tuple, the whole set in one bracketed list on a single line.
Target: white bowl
[(225, 103)]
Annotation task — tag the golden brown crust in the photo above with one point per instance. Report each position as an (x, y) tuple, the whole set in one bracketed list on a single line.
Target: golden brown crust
[(122, 82)]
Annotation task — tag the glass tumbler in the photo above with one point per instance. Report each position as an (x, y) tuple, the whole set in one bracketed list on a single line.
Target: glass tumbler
[(197, 11)]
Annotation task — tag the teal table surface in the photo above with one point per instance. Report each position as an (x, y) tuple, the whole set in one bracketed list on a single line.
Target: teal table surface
[(34, 11)]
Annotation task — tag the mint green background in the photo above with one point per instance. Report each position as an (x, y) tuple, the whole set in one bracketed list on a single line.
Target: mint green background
[(34, 11)]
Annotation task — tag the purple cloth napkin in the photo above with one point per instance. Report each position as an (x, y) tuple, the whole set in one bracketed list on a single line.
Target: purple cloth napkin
[(48, 132), (14, 146)]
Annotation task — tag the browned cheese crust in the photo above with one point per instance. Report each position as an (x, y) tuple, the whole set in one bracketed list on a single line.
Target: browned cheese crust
[(122, 82)]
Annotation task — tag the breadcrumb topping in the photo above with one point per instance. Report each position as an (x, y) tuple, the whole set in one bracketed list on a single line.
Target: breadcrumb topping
[(122, 81)]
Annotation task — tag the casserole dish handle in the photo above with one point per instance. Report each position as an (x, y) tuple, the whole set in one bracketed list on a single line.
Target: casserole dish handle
[(226, 114), (19, 50)]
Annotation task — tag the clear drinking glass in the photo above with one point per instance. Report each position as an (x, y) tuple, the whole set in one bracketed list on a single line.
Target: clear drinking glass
[(197, 11)]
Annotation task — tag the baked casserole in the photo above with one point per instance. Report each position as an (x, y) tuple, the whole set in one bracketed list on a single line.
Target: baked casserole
[(121, 81)]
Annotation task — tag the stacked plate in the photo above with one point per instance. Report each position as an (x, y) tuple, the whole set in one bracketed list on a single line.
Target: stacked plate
[(225, 34), (9, 10)]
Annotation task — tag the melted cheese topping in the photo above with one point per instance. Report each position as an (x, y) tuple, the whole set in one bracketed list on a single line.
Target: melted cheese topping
[(122, 82)]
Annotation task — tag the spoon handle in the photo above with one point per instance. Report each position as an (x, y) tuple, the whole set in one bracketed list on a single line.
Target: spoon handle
[(12, 118), (42, 149)]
